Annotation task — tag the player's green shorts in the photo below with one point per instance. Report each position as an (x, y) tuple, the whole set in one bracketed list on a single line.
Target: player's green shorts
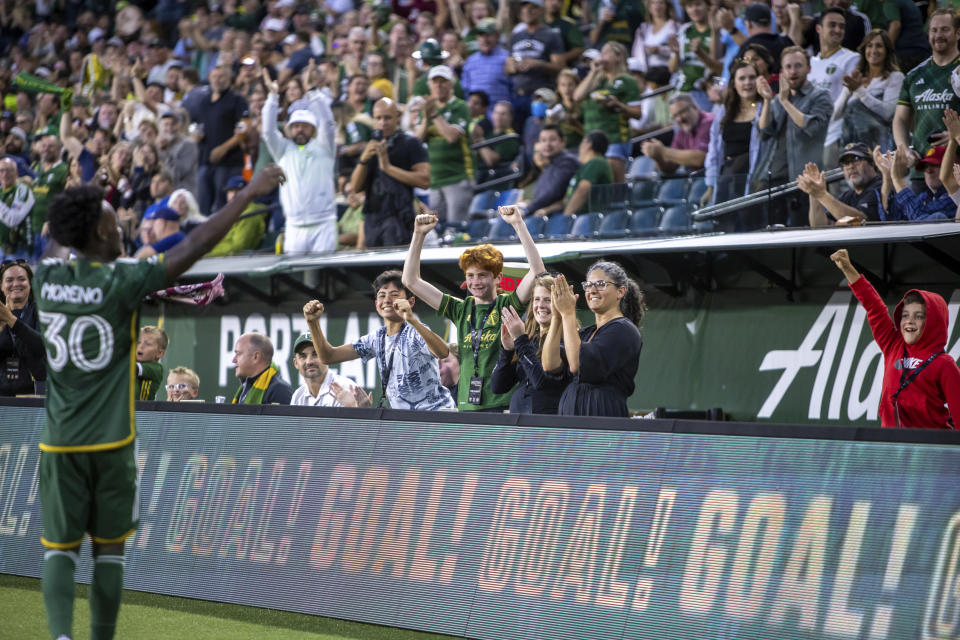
[(88, 492)]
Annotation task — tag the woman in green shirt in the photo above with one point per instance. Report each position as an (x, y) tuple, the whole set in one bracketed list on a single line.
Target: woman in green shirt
[(610, 98)]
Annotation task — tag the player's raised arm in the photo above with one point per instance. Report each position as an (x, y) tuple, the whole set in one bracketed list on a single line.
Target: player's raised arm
[(202, 239), (411, 266)]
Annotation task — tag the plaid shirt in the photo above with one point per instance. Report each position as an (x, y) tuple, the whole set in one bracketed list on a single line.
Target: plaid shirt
[(485, 73)]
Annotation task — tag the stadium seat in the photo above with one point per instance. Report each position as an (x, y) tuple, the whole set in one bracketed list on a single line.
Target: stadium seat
[(482, 203), (643, 193), (614, 224), (644, 221), (675, 219), (672, 191), (698, 186), (479, 228), (509, 197), (585, 225), (704, 226), (535, 225), (501, 231), (558, 226)]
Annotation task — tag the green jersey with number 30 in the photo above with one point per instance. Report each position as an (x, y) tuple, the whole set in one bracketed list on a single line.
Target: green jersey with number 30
[(88, 315)]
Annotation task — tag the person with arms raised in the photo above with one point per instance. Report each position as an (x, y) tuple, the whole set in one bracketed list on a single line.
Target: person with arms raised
[(477, 317)]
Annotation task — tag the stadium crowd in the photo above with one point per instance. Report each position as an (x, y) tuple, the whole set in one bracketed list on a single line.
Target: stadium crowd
[(368, 106), (372, 108)]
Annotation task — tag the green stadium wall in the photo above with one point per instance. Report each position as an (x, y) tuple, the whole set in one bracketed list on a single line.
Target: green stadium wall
[(749, 352)]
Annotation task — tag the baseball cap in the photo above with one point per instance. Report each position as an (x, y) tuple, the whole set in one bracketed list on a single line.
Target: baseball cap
[(538, 3), (757, 13), (487, 25), (115, 42), (303, 115), (855, 150), (235, 182), (96, 34), (19, 133), (275, 24), (933, 157), (430, 50), (302, 339), (441, 71), (591, 54), (163, 213), (546, 94)]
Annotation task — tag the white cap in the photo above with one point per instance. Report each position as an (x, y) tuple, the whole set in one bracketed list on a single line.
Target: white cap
[(290, 39), (441, 71), (303, 115), (591, 54), (282, 4), (275, 24)]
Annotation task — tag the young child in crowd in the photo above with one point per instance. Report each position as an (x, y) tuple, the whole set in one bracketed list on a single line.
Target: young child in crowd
[(151, 345), (921, 382)]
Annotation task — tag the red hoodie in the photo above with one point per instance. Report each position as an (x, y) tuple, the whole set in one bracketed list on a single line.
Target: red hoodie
[(922, 402)]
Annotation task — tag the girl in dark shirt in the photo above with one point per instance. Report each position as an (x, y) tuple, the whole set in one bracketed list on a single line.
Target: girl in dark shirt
[(22, 356), (519, 361), (603, 358)]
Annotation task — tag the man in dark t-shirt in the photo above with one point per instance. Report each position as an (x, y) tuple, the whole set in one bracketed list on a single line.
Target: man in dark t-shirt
[(536, 57), (391, 165), (218, 113), (860, 203)]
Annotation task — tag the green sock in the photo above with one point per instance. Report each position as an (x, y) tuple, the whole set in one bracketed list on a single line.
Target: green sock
[(105, 593), (59, 590)]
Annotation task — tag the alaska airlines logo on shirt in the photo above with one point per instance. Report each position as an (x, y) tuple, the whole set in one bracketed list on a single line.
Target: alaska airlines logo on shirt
[(931, 96), (71, 293)]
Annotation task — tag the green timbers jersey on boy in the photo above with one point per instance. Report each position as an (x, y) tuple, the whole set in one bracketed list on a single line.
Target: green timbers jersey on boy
[(88, 313), (149, 380), (612, 122), (463, 314), (927, 91), (450, 162)]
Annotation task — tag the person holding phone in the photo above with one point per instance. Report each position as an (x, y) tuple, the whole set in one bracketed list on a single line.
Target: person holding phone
[(391, 165)]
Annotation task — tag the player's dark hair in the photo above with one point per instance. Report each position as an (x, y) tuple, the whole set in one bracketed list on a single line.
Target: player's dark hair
[(393, 277), (632, 304), (74, 215)]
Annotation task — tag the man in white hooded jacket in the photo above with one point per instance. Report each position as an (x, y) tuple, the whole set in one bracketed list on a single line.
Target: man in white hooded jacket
[(307, 155)]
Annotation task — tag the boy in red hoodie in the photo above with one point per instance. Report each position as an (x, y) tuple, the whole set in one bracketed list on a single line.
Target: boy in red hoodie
[(919, 379)]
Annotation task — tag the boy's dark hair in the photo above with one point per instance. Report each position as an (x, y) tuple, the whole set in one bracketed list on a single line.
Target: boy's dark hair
[(837, 10), (390, 277), (483, 95), (74, 215), (914, 298), (599, 142)]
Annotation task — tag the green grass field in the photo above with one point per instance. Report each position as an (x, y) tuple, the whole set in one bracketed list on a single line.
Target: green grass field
[(147, 616)]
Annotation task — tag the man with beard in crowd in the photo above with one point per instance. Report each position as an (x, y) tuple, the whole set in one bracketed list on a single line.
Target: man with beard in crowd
[(859, 203)]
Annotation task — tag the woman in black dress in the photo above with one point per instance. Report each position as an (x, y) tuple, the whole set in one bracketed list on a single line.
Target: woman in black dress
[(603, 358), (519, 361), (22, 356)]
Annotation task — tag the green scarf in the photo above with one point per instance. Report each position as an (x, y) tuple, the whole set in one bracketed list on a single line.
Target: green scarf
[(255, 395)]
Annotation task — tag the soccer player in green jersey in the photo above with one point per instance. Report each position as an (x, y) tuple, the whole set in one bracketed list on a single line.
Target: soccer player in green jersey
[(88, 306)]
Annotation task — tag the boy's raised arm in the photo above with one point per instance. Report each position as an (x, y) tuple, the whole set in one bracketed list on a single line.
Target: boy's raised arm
[(419, 287)]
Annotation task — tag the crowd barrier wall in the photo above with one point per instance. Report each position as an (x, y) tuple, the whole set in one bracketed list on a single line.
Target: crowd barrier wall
[(523, 527)]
